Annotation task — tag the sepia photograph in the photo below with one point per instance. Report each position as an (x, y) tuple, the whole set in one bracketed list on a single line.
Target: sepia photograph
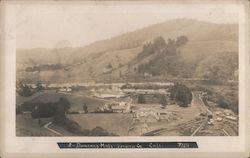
[(93, 74), (125, 74)]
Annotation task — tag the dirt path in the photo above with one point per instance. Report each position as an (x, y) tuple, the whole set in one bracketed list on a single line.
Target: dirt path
[(51, 130)]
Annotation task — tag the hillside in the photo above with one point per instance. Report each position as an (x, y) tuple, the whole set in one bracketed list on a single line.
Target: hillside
[(114, 57)]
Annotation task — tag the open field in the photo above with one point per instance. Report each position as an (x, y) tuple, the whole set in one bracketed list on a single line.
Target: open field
[(116, 123)]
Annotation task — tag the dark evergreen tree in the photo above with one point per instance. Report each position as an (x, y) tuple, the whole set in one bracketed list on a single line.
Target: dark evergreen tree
[(182, 94), (141, 99), (163, 100)]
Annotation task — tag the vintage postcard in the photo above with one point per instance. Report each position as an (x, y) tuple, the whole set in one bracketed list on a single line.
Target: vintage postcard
[(107, 78)]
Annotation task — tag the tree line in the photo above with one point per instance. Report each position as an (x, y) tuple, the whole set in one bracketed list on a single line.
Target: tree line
[(44, 67)]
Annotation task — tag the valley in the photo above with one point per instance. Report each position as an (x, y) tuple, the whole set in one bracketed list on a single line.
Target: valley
[(175, 78)]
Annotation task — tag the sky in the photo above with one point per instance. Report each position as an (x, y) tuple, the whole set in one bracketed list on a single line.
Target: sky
[(77, 25)]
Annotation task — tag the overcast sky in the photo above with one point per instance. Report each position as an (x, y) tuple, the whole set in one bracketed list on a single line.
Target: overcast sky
[(50, 26)]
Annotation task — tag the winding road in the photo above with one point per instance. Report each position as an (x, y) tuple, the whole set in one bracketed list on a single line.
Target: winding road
[(51, 130)]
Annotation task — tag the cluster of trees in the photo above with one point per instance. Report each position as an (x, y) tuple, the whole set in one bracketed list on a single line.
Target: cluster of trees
[(160, 45), (44, 67), (181, 94), (50, 109), (166, 53), (24, 90)]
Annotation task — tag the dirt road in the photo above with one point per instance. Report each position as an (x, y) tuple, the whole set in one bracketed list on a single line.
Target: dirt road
[(51, 130)]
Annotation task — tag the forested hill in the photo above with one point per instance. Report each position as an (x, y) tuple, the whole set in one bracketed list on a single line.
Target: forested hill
[(171, 58), (206, 50)]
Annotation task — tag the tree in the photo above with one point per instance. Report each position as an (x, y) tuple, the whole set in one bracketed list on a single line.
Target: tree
[(159, 42), (59, 117), (182, 94), (222, 103), (64, 103), (181, 41), (163, 100), (141, 99), (43, 110)]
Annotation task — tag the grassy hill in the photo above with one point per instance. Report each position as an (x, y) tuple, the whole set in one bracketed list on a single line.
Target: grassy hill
[(112, 57)]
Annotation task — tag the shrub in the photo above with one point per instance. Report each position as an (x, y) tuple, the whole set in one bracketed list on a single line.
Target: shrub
[(222, 103), (85, 132), (99, 131)]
